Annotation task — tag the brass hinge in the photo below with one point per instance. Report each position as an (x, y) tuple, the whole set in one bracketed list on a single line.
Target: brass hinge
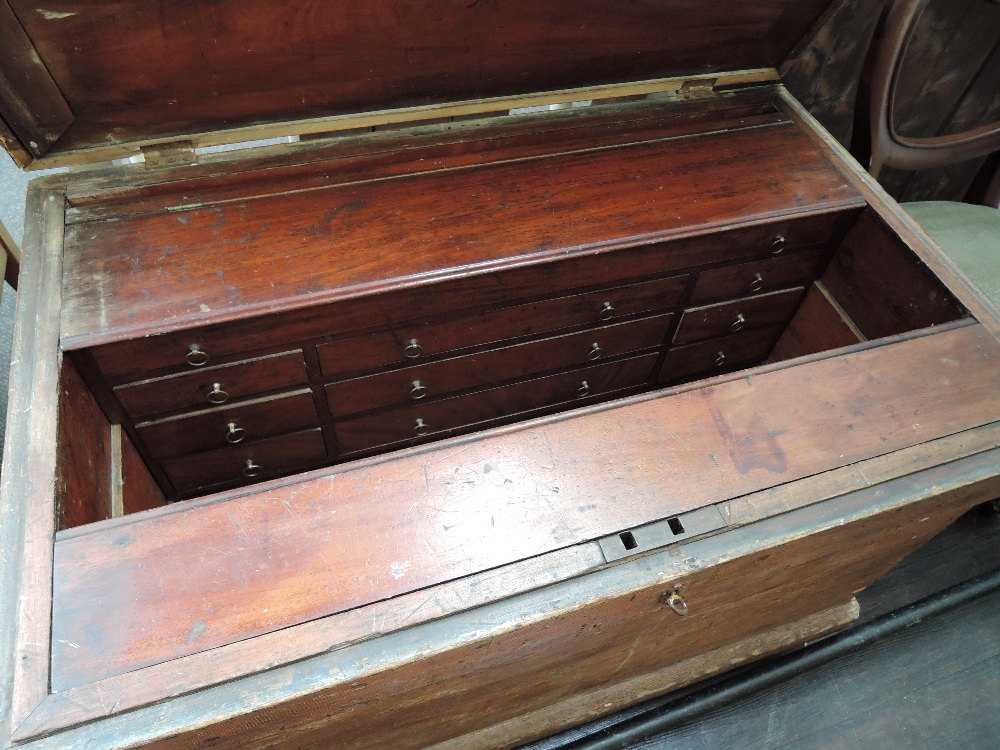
[(173, 154), (703, 88)]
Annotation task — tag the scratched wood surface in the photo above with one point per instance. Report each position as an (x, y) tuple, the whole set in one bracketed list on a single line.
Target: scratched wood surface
[(326, 545), (205, 263), (594, 632), (179, 67), (265, 653)]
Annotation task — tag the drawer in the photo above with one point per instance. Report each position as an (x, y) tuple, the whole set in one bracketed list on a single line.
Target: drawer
[(756, 277), (718, 355), (169, 351), (213, 386), (420, 341), (724, 318), (220, 427), (495, 366), (247, 462), (411, 422)]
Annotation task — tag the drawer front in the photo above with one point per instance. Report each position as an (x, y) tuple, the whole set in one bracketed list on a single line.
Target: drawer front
[(420, 341), (718, 355), (223, 426), (475, 371), (169, 351), (725, 318), (213, 386), (400, 425), (756, 277), (247, 463)]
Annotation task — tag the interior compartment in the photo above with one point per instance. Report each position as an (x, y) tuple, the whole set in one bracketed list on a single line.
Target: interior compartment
[(866, 288)]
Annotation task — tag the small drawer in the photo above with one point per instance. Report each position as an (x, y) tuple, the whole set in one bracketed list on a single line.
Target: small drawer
[(725, 318), (213, 386), (437, 379), (240, 464), (219, 427), (413, 343), (718, 355), (756, 277), (413, 422)]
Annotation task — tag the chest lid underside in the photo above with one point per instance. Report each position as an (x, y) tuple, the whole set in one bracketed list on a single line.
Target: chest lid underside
[(84, 81)]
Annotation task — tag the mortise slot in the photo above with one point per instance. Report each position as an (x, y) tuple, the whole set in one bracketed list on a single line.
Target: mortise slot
[(676, 527), (628, 540)]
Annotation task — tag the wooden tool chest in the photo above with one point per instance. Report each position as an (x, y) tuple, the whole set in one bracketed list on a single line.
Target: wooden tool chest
[(561, 361)]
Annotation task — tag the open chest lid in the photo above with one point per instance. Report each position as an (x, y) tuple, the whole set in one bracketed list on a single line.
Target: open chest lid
[(90, 80)]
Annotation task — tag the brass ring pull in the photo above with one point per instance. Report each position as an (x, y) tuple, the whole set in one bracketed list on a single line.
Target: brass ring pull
[(757, 283), (595, 351), (235, 434), (677, 603), (607, 311), (196, 357), (738, 323), (217, 395), (252, 469), (778, 244), (421, 427), (413, 349), (720, 360), (583, 390), (418, 391)]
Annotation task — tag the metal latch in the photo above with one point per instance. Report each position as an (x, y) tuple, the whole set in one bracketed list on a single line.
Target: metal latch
[(172, 154), (661, 533)]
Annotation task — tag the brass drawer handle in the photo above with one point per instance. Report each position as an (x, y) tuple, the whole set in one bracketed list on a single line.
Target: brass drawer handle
[(778, 244), (235, 434), (738, 323), (720, 360), (675, 600), (421, 427), (413, 349), (607, 311), (757, 283), (595, 351), (196, 357), (418, 391), (217, 395), (583, 390), (252, 469)]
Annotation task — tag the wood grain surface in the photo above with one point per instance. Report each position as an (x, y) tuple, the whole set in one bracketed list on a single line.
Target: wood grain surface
[(591, 632), (183, 68), (882, 287), (27, 492), (285, 251), (819, 324), (139, 491), (447, 513), (31, 104), (85, 470), (264, 653)]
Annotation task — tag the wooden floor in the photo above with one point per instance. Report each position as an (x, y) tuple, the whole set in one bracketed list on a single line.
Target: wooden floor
[(933, 685)]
